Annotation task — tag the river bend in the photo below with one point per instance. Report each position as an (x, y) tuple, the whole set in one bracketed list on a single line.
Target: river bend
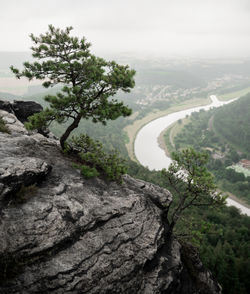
[(148, 151)]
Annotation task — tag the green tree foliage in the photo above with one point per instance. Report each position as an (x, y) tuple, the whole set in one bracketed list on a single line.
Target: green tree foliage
[(226, 253), (222, 234), (88, 81), (232, 122), (93, 160), (192, 182), (3, 127), (201, 133)]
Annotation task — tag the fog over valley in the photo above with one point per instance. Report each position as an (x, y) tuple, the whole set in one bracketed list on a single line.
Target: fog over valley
[(165, 28), (125, 162)]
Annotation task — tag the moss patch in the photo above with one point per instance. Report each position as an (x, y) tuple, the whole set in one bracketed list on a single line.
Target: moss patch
[(3, 127)]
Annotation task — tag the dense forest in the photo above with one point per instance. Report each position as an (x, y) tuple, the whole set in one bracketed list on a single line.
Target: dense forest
[(225, 134), (222, 236), (232, 122)]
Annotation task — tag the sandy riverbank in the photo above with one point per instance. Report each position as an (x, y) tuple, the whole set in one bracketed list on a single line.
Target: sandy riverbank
[(134, 128), (161, 142)]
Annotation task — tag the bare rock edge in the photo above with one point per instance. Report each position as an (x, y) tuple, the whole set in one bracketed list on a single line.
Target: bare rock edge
[(61, 233)]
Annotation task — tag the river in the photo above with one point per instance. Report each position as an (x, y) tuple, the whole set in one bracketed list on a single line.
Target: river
[(148, 151)]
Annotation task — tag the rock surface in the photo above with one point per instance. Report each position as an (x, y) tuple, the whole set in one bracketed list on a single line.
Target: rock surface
[(66, 234), (18, 172), (24, 109), (21, 109)]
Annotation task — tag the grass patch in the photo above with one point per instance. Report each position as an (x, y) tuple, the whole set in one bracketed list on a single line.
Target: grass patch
[(93, 161), (172, 131), (166, 140), (231, 95)]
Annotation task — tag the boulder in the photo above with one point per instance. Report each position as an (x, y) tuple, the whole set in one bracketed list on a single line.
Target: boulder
[(67, 234), (21, 109), (20, 172), (24, 109), (6, 105)]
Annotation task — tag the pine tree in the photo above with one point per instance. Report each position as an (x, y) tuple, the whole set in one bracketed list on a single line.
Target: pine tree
[(192, 183), (87, 81)]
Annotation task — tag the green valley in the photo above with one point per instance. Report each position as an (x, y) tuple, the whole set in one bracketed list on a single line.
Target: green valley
[(225, 134)]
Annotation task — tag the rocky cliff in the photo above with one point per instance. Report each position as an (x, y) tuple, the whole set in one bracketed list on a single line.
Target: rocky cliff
[(61, 233)]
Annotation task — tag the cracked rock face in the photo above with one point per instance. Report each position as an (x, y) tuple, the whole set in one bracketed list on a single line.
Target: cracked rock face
[(67, 234), (20, 172)]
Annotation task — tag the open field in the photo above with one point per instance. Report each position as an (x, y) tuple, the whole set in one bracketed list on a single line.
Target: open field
[(235, 94), (132, 129), (240, 169), (166, 138)]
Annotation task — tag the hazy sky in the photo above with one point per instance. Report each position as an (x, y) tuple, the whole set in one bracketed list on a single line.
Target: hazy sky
[(163, 27)]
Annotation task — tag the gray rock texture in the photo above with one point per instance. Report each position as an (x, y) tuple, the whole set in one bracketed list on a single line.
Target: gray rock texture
[(61, 233), (21, 109), (20, 172)]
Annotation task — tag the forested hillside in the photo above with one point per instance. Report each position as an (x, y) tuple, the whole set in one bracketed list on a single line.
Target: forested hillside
[(224, 132), (176, 78), (233, 123), (224, 247), (222, 235)]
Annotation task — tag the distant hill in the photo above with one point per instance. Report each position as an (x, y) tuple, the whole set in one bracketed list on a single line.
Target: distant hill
[(8, 96), (176, 78)]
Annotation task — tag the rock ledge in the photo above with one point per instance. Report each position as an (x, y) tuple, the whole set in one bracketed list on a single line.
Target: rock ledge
[(72, 235)]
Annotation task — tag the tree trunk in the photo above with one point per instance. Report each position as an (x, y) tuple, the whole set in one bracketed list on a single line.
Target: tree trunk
[(170, 229), (68, 131)]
